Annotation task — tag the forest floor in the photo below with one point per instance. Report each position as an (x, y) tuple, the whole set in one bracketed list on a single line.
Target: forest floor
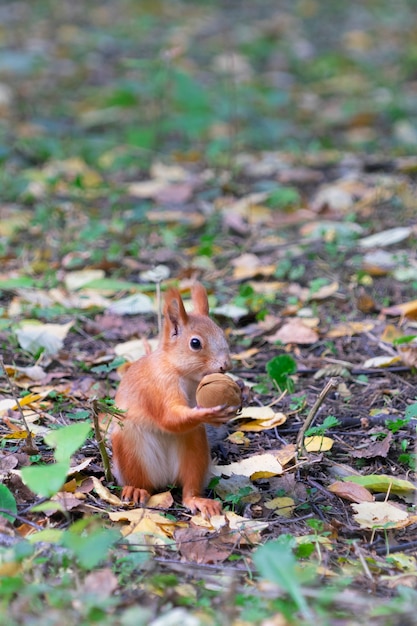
[(270, 155)]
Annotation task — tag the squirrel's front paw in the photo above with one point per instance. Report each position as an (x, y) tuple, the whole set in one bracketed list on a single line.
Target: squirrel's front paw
[(217, 415), (206, 506)]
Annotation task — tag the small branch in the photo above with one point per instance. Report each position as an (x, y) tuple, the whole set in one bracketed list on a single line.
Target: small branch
[(96, 411), (331, 384), (30, 447)]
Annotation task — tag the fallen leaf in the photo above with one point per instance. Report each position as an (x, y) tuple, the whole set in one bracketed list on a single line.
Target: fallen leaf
[(406, 309), (76, 280), (386, 237), (379, 515), (105, 494), (381, 361), (374, 449), (282, 505), (257, 466), (318, 443), (350, 328), (135, 349), (33, 336), (382, 483), (239, 438), (286, 454), (100, 583), (261, 418), (249, 265), (132, 305), (325, 292), (351, 491), (294, 331), (408, 353)]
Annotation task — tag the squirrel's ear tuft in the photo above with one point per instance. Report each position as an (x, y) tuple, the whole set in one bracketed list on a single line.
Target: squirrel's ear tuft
[(174, 311), (200, 300)]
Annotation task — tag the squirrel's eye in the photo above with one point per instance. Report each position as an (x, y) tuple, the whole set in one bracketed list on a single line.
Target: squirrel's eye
[(195, 343)]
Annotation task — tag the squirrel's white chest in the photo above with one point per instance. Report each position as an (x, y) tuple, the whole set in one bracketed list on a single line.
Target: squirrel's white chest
[(158, 452)]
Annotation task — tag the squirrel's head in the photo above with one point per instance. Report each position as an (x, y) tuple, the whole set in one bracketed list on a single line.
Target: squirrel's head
[(196, 344)]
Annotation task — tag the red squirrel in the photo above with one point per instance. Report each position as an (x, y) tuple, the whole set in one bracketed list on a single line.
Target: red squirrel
[(161, 439)]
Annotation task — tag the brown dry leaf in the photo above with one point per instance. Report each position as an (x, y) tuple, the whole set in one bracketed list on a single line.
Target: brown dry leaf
[(100, 583), (200, 545), (351, 491), (294, 331), (406, 309), (177, 193), (105, 494), (249, 265), (267, 288), (333, 197), (146, 188), (377, 448), (379, 515), (245, 355), (286, 454), (257, 466), (325, 292), (391, 333), (347, 329), (408, 353), (192, 218), (248, 531)]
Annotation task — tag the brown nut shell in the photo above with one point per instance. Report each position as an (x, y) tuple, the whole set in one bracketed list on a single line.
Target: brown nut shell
[(215, 389)]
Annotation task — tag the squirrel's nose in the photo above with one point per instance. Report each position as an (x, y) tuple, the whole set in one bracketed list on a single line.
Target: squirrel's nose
[(227, 364)]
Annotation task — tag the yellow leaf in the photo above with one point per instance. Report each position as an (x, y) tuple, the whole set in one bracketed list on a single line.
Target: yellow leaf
[(381, 361), (239, 438), (318, 444), (283, 506), (406, 309), (390, 334), (104, 493), (262, 418)]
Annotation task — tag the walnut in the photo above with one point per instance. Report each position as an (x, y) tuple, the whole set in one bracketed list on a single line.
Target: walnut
[(215, 389)]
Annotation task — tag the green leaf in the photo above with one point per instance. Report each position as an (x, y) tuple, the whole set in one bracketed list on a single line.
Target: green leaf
[(20, 282), (90, 548), (8, 502), (45, 480), (411, 411), (276, 562), (382, 483), (67, 440), (283, 198), (280, 369)]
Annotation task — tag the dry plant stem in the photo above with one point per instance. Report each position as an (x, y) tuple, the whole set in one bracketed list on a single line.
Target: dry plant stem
[(32, 448), (100, 442), (331, 384)]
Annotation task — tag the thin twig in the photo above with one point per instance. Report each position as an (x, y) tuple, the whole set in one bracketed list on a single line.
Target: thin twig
[(331, 384), (100, 440)]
